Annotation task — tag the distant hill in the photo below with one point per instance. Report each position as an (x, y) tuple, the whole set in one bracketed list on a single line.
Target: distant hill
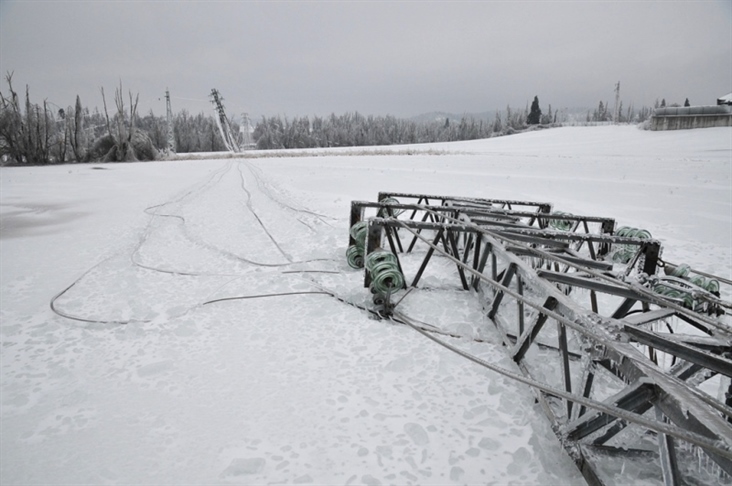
[(441, 116)]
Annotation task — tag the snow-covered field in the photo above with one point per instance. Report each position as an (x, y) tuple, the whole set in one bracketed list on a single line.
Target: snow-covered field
[(146, 382)]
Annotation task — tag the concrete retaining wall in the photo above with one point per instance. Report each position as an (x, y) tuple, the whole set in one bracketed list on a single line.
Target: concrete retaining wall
[(684, 122)]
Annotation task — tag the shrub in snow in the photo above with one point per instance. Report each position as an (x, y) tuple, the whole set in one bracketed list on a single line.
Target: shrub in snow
[(138, 147), (124, 142)]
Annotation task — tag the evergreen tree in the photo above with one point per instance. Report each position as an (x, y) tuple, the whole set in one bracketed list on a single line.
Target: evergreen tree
[(534, 117)]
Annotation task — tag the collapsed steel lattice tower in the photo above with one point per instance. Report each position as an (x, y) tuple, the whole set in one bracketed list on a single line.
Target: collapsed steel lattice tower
[(618, 373), (222, 121)]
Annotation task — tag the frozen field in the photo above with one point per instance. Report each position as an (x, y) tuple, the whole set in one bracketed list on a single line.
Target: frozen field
[(146, 380)]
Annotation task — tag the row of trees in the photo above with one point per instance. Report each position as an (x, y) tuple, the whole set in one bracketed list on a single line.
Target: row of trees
[(603, 113), (31, 136), (192, 133), (662, 103), (36, 134), (355, 129), (32, 133)]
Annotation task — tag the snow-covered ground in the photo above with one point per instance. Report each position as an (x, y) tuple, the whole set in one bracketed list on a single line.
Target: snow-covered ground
[(146, 382)]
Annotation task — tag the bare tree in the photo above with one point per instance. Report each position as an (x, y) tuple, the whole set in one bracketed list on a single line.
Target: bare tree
[(24, 137)]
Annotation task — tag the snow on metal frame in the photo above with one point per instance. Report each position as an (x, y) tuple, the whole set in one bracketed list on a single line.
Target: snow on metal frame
[(595, 354)]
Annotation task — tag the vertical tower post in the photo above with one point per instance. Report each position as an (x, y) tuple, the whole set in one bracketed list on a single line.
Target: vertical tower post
[(616, 115), (246, 131), (169, 118)]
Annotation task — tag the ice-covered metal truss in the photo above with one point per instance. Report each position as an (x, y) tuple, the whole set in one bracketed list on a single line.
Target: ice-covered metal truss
[(622, 369), (170, 147), (222, 121)]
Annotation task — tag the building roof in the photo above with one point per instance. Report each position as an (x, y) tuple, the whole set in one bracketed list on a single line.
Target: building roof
[(725, 100)]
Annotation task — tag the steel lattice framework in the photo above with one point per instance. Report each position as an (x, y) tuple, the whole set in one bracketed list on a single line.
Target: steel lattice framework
[(615, 365), (170, 147), (222, 121)]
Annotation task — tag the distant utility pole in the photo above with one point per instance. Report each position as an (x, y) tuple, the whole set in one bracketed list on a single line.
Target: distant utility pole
[(223, 122), (616, 115), (246, 131), (169, 116)]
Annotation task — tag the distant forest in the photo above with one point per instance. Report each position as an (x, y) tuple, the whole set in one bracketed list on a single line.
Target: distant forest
[(355, 130), (32, 133)]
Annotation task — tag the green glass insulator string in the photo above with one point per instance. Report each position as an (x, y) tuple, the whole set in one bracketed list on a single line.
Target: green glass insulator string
[(359, 231), (385, 275), (386, 212), (560, 224), (354, 256), (624, 253)]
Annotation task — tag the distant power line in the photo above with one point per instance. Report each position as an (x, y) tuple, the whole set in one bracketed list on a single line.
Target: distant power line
[(189, 99)]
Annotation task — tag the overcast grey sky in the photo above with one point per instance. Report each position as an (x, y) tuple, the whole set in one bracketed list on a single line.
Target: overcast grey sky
[(377, 57)]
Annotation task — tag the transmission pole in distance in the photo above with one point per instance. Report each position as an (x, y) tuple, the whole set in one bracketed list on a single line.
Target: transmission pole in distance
[(170, 149)]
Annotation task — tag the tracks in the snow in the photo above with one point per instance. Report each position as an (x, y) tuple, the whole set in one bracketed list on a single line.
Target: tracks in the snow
[(175, 211), (265, 188), (250, 207), (189, 197)]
